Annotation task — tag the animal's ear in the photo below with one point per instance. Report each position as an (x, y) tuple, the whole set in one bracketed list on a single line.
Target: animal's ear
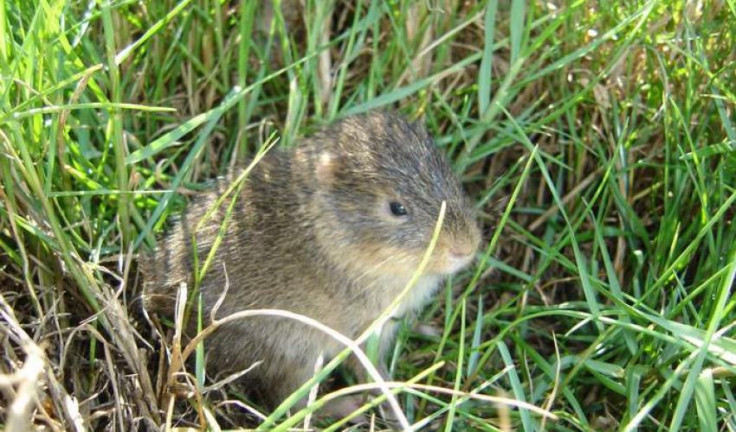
[(325, 167)]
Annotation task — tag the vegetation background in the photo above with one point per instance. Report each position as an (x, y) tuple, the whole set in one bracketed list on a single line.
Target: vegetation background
[(597, 137)]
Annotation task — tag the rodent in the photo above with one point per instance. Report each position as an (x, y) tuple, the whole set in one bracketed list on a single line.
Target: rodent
[(332, 229)]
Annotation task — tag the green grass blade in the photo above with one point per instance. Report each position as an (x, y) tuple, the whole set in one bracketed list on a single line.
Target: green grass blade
[(485, 74), (705, 401)]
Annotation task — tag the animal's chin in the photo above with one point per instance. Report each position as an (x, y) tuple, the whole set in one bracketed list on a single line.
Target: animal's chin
[(449, 265), (400, 264), (438, 266)]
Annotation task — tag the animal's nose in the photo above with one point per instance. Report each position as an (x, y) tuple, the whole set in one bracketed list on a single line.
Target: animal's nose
[(465, 246)]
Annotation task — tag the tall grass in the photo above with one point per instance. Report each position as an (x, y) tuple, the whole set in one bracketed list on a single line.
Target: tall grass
[(598, 139)]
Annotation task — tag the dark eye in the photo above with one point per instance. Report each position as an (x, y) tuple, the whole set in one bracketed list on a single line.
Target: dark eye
[(397, 209)]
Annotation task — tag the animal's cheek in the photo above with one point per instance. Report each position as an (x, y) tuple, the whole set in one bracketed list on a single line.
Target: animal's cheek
[(408, 239)]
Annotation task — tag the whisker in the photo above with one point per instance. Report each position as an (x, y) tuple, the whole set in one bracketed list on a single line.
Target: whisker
[(379, 265)]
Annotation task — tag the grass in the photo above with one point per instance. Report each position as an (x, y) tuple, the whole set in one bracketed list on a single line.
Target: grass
[(598, 139)]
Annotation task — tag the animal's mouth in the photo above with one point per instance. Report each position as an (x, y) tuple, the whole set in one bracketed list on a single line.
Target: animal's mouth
[(452, 256), (451, 263), (448, 262), (457, 263)]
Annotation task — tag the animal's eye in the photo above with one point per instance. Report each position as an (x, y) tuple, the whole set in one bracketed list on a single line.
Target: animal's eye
[(397, 209)]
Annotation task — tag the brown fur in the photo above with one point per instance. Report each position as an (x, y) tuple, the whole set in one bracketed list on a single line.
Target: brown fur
[(312, 232)]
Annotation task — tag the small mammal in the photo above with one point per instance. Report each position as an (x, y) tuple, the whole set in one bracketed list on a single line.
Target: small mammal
[(333, 229)]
